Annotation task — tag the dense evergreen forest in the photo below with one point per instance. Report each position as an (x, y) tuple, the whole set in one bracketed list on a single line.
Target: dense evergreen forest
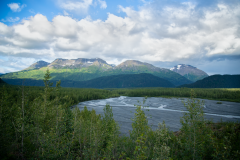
[(114, 81), (38, 123), (1, 81), (216, 81)]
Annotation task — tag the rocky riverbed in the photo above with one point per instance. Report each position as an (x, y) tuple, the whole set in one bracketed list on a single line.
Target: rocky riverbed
[(159, 109)]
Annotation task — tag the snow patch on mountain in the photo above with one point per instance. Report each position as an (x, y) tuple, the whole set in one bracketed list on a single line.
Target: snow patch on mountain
[(190, 72), (179, 66)]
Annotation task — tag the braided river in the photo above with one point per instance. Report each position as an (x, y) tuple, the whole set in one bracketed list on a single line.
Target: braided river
[(159, 109)]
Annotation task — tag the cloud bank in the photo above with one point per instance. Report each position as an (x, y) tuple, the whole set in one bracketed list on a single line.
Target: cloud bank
[(156, 32)]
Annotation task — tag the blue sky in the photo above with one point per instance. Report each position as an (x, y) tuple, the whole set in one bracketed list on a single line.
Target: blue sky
[(202, 33), (52, 8)]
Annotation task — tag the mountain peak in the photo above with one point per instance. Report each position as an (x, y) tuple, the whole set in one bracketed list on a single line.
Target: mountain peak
[(190, 72), (181, 66), (37, 65), (132, 63)]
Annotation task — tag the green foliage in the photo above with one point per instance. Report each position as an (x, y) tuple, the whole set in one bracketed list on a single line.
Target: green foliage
[(195, 137), (140, 130), (140, 123), (161, 146), (226, 140)]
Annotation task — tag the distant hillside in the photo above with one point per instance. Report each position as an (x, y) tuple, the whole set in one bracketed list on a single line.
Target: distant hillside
[(115, 81), (83, 69), (217, 81), (128, 81), (190, 72)]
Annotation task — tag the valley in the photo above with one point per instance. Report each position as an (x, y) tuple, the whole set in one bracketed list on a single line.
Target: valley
[(131, 109), (120, 80)]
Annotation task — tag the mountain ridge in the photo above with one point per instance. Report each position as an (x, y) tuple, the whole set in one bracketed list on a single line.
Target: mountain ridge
[(77, 63)]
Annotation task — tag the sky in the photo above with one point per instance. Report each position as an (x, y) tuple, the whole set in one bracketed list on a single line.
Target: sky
[(165, 33)]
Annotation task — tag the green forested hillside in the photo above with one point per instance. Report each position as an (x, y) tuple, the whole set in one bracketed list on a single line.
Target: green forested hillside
[(128, 81), (114, 81), (91, 73), (194, 77), (217, 81)]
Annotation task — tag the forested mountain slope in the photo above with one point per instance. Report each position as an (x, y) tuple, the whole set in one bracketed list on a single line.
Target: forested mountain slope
[(217, 81), (114, 81)]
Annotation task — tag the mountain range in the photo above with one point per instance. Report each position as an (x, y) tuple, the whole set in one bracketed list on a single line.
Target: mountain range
[(97, 73), (190, 72), (83, 69)]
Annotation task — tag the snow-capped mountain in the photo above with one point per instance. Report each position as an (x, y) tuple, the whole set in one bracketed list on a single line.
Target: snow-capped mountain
[(190, 72)]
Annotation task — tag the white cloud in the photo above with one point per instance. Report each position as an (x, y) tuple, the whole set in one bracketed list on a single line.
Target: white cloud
[(12, 64), (79, 6), (103, 4), (15, 7), (10, 19), (172, 34)]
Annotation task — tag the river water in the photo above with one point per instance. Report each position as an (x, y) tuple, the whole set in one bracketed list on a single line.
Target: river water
[(159, 109)]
